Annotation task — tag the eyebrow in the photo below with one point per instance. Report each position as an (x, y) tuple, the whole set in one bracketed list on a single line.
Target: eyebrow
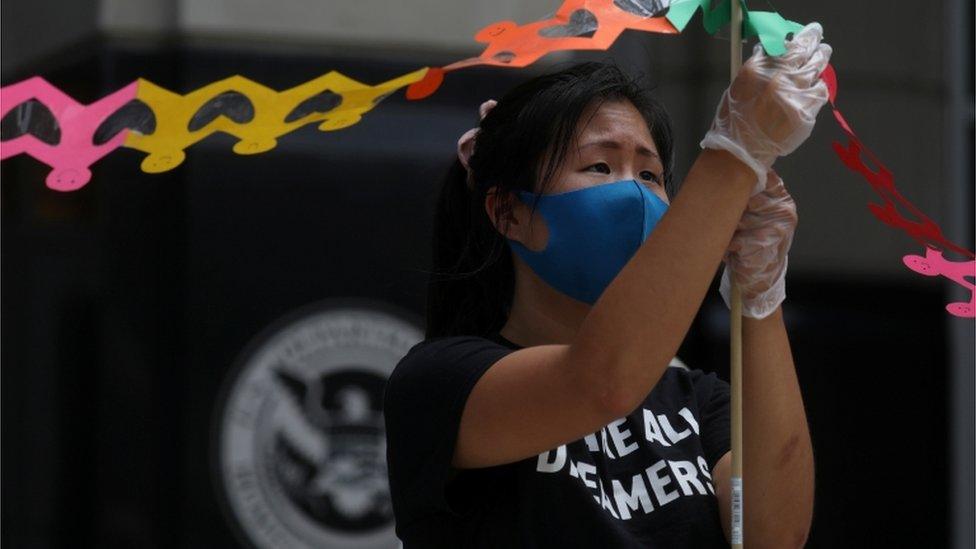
[(611, 144)]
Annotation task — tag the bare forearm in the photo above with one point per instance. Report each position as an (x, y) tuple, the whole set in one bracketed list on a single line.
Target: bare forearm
[(777, 453), (645, 313)]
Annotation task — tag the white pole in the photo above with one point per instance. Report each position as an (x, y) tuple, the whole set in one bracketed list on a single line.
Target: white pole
[(735, 337)]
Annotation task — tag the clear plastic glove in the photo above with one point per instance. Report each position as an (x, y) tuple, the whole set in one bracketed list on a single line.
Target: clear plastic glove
[(771, 106), (756, 256)]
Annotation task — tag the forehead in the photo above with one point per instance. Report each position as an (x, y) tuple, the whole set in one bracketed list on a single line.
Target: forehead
[(614, 120)]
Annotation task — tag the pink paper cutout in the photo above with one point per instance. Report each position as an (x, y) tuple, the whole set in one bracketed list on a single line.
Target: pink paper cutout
[(933, 264), (72, 156)]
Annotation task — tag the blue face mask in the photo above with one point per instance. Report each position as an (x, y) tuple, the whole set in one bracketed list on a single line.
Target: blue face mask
[(593, 232)]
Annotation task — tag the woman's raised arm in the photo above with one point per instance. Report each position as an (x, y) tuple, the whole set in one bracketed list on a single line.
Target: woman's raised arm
[(537, 398)]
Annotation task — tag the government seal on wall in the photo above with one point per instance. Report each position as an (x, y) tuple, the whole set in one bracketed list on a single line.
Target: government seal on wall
[(299, 439)]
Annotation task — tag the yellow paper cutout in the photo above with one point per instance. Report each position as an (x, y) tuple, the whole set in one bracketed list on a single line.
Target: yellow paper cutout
[(268, 112)]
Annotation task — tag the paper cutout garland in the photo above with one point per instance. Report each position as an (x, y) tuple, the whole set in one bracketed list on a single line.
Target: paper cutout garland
[(576, 25), (596, 24), (921, 228), (772, 30), (769, 27), (255, 114), (163, 124), (268, 115)]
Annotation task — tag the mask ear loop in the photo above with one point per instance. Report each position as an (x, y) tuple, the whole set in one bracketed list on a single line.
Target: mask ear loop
[(645, 232), (534, 207)]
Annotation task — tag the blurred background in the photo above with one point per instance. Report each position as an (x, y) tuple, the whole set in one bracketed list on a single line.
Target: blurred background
[(196, 358)]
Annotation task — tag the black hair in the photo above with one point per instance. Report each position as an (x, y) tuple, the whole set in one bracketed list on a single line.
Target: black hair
[(522, 141)]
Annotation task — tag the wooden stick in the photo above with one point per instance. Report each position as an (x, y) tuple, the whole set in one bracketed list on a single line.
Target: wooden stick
[(735, 340), (735, 335)]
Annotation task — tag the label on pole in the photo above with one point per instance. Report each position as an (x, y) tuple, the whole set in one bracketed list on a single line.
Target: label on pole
[(736, 510)]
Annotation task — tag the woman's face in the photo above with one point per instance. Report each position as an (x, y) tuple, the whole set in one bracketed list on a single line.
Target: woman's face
[(613, 143)]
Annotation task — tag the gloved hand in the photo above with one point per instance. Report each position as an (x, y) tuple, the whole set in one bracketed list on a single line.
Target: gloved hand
[(772, 104), (756, 256)]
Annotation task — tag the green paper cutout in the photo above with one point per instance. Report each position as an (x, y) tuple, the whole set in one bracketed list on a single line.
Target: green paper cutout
[(681, 11), (717, 18), (771, 28)]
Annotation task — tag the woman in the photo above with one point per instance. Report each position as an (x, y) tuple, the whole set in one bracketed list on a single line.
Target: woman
[(545, 407)]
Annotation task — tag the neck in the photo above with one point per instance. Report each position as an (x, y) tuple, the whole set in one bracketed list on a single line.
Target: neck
[(540, 315)]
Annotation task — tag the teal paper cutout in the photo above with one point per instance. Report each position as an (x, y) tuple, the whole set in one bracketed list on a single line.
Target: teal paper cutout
[(681, 11), (770, 27), (717, 18)]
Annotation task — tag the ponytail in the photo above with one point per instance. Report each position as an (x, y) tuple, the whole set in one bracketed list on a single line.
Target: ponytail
[(472, 280)]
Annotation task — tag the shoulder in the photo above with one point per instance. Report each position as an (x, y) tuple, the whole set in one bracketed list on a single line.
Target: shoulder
[(433, 355), (443, 364)]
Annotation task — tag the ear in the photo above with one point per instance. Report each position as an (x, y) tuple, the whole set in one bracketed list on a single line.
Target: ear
[(506, 213)]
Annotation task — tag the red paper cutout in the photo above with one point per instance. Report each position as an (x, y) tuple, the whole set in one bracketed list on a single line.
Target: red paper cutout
[(577, 25), (427, 85), (933, 264), (922, 228)]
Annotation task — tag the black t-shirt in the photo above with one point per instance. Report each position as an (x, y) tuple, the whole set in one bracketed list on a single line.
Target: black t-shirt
[(642, 481)]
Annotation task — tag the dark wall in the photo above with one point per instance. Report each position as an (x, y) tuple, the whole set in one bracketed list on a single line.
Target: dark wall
[(125, 303), (35, 30)]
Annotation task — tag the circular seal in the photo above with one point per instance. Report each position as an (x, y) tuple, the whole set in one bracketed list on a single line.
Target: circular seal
[(299, 442)]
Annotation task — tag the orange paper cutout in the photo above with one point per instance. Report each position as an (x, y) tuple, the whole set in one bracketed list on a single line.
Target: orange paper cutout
[(577, 25)]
